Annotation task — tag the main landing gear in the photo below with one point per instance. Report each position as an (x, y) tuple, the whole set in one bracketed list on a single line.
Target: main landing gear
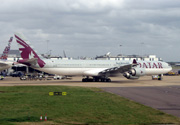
[(96, 79)]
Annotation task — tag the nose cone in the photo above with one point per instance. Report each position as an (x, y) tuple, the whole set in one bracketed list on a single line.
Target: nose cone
[(170, 68)]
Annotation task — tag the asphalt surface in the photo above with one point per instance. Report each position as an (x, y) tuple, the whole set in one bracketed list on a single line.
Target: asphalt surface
[(164, 98)]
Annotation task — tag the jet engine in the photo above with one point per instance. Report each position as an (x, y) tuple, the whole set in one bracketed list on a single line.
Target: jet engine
[(134, 73), (129, 76), (137, 72)]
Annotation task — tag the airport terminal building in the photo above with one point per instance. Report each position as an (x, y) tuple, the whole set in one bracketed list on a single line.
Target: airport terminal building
[(129, 57)]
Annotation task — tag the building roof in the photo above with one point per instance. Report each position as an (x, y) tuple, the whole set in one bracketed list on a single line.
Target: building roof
[(14, 52)]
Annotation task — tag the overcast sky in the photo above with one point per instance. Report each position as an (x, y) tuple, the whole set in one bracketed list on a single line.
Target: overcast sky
[(95, 27)]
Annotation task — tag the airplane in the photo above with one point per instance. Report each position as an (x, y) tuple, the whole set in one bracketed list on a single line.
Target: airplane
[(4, 63), (93, 70)]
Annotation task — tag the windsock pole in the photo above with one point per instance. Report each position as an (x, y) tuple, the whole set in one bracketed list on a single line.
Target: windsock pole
[(41, 117), (45, 119)]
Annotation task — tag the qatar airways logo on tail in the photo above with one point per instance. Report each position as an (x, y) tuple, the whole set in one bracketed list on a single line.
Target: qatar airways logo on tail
[(27, 52), (31, 55), (150, 65)]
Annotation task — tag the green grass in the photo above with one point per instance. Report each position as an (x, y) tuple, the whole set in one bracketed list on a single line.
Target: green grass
[(20, 105)]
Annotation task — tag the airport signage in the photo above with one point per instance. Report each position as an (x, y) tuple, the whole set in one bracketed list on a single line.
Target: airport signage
[(57, 93)]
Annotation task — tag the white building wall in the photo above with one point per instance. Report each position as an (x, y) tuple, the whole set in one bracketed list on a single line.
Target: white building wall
[(148, 58)]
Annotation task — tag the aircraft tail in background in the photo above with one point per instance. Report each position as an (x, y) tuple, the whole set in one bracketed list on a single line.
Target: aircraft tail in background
[(6, 50), (26, 51)]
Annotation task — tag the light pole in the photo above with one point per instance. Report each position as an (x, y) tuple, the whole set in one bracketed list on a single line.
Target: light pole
[(47, 45), (50, 52), (120, 49), (142, 50)]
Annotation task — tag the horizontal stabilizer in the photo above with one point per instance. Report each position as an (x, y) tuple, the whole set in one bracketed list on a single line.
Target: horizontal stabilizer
[(28, 62)]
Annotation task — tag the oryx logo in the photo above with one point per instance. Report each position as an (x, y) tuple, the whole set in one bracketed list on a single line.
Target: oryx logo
[(27, 52)]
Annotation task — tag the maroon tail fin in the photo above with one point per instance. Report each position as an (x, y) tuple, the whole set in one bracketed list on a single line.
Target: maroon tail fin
[(26, 50)]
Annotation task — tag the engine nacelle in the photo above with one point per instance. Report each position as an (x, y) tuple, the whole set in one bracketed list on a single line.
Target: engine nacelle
[(137, 72), (129, 76), (133, 77), (134, 73)]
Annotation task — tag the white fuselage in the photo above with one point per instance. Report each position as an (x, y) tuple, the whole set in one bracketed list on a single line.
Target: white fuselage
[(93, 67)]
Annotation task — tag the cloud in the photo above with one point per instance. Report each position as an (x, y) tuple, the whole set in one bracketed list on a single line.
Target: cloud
[(90, 28)]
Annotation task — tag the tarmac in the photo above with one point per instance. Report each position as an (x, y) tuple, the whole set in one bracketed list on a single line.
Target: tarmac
[(76, 81), (164, 98), (162, 95)]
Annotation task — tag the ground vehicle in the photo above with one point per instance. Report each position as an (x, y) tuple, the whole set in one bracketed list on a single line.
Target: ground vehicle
[(171, 73), (57, 77), (17, 74), (1, 77), (155, 77)]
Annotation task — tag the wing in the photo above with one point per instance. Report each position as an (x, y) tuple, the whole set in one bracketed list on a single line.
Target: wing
[(117, 70)]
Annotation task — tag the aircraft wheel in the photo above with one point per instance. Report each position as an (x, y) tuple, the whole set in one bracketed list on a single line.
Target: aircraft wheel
[(84, 80), (108, 80), (90, 80), (102, 80), (96, 79)]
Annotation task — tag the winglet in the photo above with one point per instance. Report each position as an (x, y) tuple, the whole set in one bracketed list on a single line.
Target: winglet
[(134, 62), (26, 50)]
